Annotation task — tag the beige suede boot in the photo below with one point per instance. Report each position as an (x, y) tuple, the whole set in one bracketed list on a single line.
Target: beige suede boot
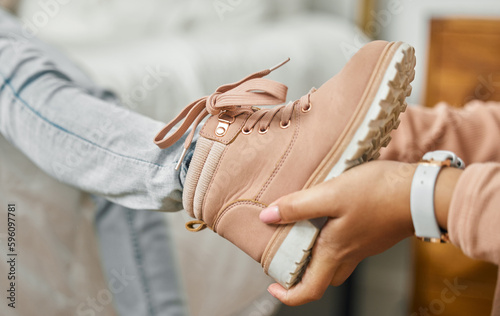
[(248, 157)]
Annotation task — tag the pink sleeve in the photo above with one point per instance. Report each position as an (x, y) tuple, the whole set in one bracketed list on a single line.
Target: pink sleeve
[(474, 217), (473, 133)]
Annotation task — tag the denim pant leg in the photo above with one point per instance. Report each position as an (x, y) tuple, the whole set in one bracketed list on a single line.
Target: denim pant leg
[(48, 107), (76, 137), (137, 245)]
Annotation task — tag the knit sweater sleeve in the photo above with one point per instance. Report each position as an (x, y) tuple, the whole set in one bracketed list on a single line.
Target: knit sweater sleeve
[(473, 132), (474, 216)]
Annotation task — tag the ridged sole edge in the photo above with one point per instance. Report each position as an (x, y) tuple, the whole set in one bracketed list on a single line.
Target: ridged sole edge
[(288, 264)]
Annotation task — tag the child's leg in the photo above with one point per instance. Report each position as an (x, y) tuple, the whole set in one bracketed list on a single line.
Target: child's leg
[(77, 133)]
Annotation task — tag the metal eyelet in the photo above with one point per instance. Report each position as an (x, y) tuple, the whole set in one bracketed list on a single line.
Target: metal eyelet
[(246, 132), (309, 106), (263, 131), (286, 125), (221, 129), (223, 125)]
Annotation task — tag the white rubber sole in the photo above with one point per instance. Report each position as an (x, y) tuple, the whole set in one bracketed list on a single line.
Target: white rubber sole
[(292, 257)]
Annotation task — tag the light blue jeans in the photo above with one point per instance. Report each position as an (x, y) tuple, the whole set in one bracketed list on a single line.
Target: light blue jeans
[(79, 134)]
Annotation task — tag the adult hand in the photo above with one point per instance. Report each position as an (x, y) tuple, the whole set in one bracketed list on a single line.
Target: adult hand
[(368, 208)]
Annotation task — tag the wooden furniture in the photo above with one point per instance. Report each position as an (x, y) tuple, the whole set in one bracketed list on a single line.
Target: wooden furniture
[(463, 64), (10, 5), (365, 18), (464, 61)]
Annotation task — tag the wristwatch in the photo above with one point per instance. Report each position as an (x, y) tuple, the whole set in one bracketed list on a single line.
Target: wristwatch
[(422, 194)]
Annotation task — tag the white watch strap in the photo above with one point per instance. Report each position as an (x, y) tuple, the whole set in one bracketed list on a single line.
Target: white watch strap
[(422, 201), (422, 192)]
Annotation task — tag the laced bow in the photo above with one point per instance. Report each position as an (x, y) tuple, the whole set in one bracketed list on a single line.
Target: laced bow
[(232, 100)]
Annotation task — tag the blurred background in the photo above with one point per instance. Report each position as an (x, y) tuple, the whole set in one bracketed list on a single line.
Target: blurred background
[(191, 47)]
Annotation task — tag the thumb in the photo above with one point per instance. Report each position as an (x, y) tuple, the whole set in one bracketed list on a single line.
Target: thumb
[(301, 205)]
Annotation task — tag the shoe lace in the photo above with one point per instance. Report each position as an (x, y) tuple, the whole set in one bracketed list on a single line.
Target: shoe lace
[(232, 100)]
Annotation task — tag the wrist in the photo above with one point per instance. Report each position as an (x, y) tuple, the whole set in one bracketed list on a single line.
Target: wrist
[(445, 186), (406, 222)]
